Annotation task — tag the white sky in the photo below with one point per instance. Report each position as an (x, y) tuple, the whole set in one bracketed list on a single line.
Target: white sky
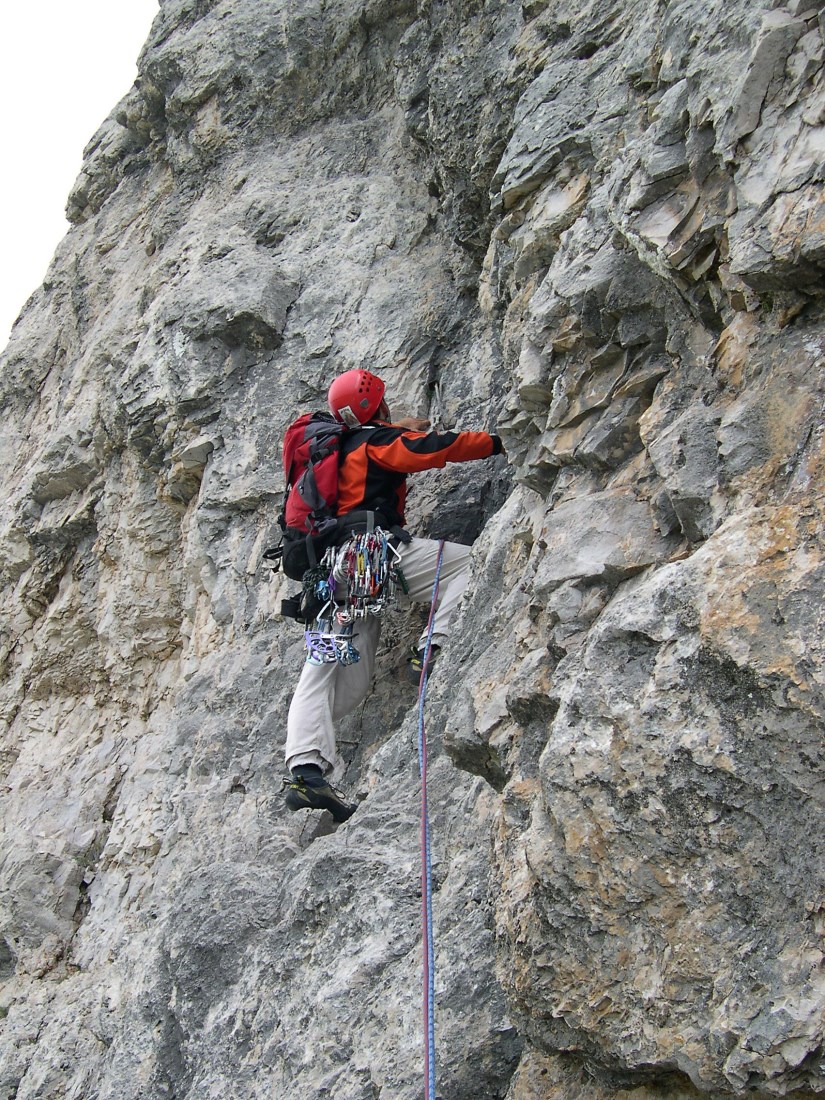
[(64, 64)]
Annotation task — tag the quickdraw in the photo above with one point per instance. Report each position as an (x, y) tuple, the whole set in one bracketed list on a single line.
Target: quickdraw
[(325, 648), (357, 579)]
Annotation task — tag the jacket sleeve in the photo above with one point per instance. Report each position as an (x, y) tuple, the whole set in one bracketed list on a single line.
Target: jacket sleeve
[(407, 452)]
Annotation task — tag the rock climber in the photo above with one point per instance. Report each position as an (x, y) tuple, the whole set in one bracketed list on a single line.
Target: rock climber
[(373, 476)]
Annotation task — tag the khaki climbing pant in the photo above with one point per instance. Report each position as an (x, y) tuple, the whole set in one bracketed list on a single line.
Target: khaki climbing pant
[(327, 692)]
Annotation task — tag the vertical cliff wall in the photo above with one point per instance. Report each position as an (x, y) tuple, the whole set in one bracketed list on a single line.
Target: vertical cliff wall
[(596, 228)]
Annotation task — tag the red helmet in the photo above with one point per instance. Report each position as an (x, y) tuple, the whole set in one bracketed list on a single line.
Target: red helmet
[(354, 397)]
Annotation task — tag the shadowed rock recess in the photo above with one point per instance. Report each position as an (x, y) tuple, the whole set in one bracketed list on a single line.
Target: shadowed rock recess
[(597, 228)]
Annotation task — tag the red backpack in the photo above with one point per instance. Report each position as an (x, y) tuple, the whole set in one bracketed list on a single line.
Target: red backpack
[(312, 452)]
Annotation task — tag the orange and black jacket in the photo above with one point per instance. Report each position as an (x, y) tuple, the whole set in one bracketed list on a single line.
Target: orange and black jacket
[(377, 458)]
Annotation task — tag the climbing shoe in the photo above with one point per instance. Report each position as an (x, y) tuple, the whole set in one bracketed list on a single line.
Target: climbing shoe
[(415, 664), (312, 792)]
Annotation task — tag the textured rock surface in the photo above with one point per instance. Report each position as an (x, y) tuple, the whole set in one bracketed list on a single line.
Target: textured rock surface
[(595, 227)]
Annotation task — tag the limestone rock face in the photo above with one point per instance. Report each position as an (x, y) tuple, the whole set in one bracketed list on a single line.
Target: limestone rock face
[(595, 229)]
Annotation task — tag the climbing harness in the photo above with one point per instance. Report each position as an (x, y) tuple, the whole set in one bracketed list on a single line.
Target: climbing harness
[(428, 954), (357, 579)]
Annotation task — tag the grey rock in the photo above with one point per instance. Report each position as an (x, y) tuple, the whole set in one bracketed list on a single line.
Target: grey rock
[(685, 455), (603, 535), (595, 229), (777, 37)]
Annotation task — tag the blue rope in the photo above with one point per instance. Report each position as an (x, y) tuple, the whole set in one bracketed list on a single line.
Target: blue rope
[(428, 954)]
